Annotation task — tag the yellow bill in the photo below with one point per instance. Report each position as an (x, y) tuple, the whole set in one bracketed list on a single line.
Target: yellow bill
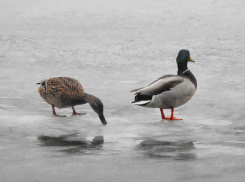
[(191, 60)]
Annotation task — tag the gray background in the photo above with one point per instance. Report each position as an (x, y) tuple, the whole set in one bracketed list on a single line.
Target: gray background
[(112, 47)]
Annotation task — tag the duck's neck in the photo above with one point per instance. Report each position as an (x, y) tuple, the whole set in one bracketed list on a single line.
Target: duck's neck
[(187, 73), (92, 100), (182, 68), (88, 98), (96, 105), (82, 99)]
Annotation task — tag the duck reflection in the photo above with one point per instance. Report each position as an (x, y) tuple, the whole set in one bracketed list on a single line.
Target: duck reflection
[(75, 143), (180, 150)]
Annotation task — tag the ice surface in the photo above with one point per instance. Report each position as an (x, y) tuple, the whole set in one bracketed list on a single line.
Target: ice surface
[(112, 47)]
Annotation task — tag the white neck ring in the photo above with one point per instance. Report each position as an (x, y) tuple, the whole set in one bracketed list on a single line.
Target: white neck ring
[(185, 71)]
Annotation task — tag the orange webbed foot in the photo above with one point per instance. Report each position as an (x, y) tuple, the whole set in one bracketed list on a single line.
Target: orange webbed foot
[(171, 118), (76, 113), (56, 115), (172, 115)]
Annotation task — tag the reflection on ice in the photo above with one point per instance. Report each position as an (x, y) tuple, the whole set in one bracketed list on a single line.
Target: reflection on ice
[(181, 150), (69, 141), (60, 141)]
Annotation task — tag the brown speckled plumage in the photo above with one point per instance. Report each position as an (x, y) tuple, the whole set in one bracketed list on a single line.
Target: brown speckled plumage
[(64, 92)]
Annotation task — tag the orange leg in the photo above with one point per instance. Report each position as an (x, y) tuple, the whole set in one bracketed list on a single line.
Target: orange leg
[(54, 113), (76, 113), (162, 114), (172, 115)]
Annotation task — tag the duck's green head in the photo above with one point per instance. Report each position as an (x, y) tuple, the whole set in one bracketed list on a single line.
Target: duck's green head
[(182, 59)]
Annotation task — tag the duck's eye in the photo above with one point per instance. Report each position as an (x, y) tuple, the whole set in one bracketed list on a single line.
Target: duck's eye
[(43, 83)]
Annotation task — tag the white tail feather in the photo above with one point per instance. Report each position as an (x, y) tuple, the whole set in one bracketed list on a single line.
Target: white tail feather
[(142, 102)]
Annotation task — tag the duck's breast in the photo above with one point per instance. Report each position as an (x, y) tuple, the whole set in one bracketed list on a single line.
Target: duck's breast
[(55, 96), (175, 97)]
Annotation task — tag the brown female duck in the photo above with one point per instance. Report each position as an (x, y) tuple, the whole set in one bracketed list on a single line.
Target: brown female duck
[(64, 92)]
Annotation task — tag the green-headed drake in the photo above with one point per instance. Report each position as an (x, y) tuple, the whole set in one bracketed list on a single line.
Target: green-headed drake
[(169, 91)]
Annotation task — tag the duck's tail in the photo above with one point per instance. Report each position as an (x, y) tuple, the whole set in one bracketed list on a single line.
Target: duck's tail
[(141, 100), (141, 103)]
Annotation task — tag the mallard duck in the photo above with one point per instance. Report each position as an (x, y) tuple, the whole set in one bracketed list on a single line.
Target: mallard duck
[(169, 91), (64, 92)]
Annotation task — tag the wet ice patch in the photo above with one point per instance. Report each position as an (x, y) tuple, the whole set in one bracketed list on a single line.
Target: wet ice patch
[(213, 121), (128, 81), (214, 149), (179, 150)]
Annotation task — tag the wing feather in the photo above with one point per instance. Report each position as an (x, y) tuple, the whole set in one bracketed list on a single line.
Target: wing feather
[(162, 77), (160, 85)]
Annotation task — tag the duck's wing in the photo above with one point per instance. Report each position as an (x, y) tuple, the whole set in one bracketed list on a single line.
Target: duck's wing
[(71, 84), (162, 77), (165, 83), (64, 82), (159, 86)]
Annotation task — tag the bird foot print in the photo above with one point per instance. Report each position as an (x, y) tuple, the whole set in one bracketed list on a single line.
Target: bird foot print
[(172, 118), (77, 113)]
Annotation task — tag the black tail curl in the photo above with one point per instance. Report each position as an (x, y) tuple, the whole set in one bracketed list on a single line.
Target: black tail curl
[(141, 97)]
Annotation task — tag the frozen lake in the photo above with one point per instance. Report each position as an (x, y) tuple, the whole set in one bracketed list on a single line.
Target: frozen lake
[(112, 47)]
